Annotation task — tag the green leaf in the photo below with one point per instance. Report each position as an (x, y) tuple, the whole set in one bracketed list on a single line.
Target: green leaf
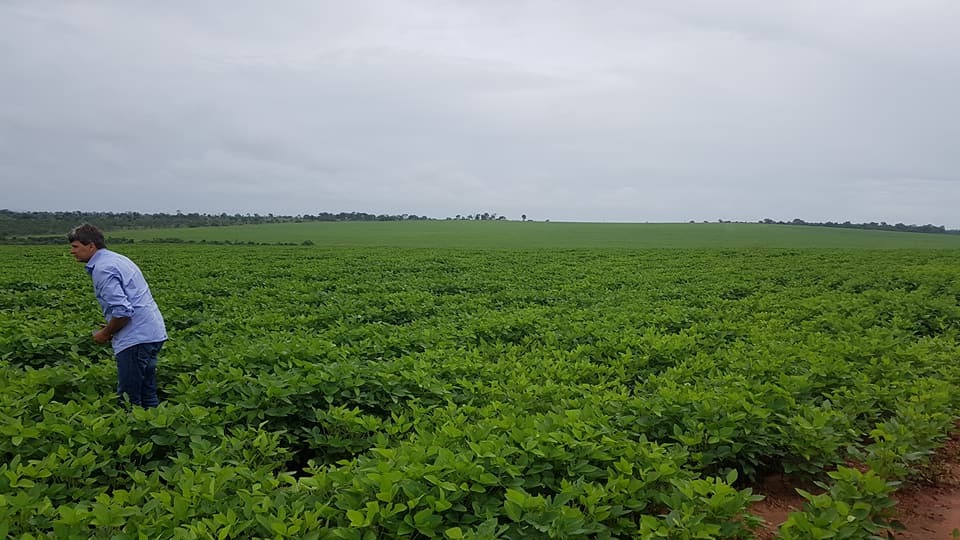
[(516, 496), (357, 518), (732, 476)]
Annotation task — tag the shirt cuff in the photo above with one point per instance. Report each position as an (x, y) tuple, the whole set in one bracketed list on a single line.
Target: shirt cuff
[(119, 311)]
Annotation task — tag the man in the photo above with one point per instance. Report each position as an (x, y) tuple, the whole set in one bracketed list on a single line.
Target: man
[(134, 324)]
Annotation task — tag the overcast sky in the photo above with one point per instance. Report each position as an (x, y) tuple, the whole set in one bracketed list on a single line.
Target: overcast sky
[(561, 110)]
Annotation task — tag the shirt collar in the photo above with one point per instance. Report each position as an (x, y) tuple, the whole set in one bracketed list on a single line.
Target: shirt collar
[(92, 263)]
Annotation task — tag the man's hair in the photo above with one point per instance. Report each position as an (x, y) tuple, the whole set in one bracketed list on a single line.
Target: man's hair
[(87, 234)]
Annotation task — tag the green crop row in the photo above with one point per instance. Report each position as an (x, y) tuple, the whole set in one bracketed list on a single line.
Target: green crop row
[(376, 393)]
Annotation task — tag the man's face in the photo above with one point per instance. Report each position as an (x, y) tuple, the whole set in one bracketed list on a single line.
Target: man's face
[(82, 252)]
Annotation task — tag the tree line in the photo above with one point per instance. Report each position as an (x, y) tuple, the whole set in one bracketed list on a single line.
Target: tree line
[(14, 225), (873, 225), (18, 224)]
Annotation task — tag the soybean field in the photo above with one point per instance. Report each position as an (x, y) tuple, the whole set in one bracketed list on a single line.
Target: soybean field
[(363, 392), (547, 235)]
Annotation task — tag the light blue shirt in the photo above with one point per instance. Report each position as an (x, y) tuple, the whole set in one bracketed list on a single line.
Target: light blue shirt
[(122, 291)]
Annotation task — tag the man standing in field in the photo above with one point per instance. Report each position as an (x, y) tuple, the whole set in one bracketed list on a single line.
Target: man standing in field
[(134, 324)]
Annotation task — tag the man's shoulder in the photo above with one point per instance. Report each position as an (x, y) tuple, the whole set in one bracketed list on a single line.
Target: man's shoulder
[(113, 257), (106, 261)]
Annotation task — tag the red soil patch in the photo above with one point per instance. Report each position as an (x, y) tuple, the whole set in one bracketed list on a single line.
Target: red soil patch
[(932, 510), (929, 510), (780, 498)]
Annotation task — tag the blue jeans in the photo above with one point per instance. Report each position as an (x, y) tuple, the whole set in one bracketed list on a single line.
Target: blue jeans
[(137, 374)]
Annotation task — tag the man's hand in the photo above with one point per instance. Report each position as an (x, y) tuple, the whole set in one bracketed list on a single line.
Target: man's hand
[(102, 336), (113, 326)]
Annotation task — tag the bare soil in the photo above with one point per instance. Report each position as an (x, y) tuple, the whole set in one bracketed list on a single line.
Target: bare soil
[(780, 498), (929, 509), (932, 509)]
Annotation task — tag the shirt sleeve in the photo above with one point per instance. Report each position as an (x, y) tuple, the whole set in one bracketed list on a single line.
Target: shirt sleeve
[(115, 301)]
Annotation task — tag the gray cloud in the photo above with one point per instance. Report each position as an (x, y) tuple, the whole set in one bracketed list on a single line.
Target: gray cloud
[(560, 110)]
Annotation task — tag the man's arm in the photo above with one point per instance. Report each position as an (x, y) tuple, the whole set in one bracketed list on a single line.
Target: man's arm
[(106, 333), (118, 310)]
